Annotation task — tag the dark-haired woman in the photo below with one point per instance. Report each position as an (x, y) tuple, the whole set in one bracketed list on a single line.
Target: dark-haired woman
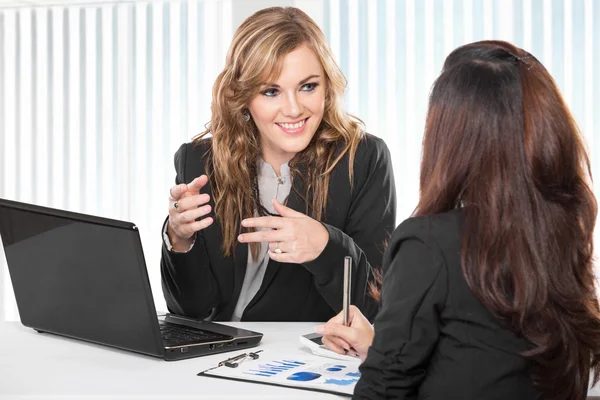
[(488, 291)]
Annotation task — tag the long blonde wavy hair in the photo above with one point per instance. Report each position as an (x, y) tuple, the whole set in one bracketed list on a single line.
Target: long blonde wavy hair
[(254, 58)]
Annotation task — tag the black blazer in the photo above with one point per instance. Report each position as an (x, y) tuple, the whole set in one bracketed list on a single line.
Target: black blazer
[(433, 338), (203, 281)]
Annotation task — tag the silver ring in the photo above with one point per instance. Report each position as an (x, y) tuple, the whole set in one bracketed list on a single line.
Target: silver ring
[(277, 249), (175, 205)]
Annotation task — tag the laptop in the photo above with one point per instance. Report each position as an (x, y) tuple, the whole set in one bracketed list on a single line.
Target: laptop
[(85, 277)]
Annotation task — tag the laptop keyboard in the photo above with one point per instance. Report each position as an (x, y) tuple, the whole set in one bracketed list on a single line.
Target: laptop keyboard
[(181, 334)]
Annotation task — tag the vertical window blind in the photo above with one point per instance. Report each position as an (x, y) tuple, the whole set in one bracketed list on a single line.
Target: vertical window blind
[(96, 97)]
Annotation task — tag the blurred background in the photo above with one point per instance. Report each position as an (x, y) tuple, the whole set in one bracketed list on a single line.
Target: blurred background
[(96, 96)]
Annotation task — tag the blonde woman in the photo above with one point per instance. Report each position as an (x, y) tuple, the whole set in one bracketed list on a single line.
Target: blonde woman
[(280, 187)]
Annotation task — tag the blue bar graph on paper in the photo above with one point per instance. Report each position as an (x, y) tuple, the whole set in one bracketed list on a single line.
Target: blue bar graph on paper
[(291, 365), (263, 372), (294, 362), (274, 368)]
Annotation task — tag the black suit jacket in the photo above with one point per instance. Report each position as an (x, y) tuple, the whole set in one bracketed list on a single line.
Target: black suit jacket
[(433, 338), (203, 282)]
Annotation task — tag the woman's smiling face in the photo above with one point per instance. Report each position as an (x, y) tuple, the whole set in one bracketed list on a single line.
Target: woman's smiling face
[(288, 112)]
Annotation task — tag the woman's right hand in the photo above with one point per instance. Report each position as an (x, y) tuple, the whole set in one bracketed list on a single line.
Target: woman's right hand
[(355, 338), (186, 204)]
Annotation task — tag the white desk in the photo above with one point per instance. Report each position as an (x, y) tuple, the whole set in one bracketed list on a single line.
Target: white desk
[(44, 366)]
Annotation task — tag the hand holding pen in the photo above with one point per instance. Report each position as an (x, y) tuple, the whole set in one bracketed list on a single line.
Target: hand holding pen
[(356, 338), (349, 332)]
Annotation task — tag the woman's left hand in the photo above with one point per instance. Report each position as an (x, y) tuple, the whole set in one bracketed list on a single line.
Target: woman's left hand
[(294, 237)]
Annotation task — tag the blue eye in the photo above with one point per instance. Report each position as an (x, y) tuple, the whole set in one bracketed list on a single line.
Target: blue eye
[(309, 87), (270, 92)]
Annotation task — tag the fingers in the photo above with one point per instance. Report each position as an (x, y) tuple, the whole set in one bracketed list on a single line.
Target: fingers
[(192, 215), (190, 206), (264, 222), (357, 318), (183, 218), (285, 211), (334, 344), (197, 184), (339, 342), (345, 333), (186, 231), (191, 202), (199, 225), (338, 319), (274, 236), (273, 246), (354, 313), (177, 191), (184, 223)]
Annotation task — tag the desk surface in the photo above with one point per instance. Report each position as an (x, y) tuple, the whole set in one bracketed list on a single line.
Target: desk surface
[(45, 366)]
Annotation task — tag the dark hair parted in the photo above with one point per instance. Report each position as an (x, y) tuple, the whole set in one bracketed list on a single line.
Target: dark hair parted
[(500, 141)]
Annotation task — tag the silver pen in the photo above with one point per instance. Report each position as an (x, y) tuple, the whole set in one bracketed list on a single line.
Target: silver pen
[(347, 288)]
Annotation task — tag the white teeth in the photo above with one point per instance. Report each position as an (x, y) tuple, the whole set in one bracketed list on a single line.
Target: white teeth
[(292, 126)]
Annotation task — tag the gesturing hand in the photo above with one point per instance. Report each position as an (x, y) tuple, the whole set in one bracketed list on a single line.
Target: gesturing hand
[(355, 338), (294, 238), (186, 204)]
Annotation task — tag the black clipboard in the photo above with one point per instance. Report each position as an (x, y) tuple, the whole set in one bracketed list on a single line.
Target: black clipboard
[(265, 370)]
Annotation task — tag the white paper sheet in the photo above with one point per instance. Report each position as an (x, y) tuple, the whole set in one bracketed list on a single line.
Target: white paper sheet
[(297, 370)]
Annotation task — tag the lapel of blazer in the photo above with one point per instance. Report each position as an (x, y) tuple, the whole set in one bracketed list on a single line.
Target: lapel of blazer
[(295, 201)]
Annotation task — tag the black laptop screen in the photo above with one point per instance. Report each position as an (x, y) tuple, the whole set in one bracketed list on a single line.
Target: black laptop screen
[(80, 278)]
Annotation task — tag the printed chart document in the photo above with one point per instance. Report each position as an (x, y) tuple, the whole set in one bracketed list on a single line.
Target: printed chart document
[(301, 371)]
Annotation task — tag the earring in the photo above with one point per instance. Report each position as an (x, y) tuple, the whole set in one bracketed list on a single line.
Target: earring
[(246, 116)]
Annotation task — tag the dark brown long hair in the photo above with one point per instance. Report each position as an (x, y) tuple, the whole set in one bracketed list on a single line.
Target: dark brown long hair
[(500, 141)]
